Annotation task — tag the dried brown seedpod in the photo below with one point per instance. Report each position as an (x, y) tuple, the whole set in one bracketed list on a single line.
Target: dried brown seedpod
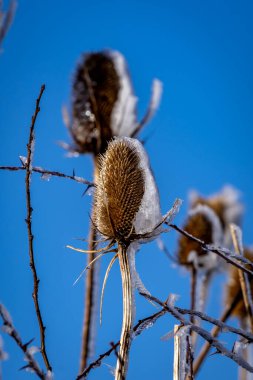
[(226, 205), (120, 190), (203, 223), (104, 104), (233, 287), (126, 198)]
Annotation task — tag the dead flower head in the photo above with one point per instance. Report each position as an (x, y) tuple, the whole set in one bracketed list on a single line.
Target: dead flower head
[(104, 104), (126, 199), (208, 220)]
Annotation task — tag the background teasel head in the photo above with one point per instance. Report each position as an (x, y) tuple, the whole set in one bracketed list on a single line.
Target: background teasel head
[(209, 220), (104, 104), (226, 205), (233, 287), (203, 223), (126, 198)]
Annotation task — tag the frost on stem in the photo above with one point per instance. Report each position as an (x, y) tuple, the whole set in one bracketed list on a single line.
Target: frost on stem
[(104, 104)]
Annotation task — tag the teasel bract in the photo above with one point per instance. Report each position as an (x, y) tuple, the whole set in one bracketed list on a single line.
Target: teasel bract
[(126, 210), (103, 106), (208, 220)]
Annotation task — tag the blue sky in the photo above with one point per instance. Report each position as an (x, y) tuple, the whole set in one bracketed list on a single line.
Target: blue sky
[(201, 138)]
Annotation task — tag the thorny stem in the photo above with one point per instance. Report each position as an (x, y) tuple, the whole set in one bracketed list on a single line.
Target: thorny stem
[(30, 234), (207, 247), (215, 332), (90, 294), (203, 333), (137, 330), (54, 173), (12, 332), (127, 324)]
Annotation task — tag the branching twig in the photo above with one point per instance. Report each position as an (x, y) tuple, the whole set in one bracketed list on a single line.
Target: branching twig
[(38, 169), (30, 147), (12, 332), (219, 251), (137, 330), (203, 333)]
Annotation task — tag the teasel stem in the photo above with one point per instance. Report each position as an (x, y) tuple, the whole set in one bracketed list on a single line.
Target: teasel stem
[(199, 288), (215, 332), (128, 306), (244, 280), (90, 292)]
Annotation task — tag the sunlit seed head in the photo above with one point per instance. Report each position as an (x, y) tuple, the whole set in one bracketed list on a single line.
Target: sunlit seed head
[(120, 189)]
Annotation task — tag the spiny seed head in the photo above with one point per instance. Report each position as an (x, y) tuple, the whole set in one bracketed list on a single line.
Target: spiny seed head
[(199, 226), (95, 91), (233, 287), (225, 204), (119, 191)]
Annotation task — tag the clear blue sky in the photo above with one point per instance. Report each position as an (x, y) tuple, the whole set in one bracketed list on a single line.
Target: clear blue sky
[(201, 138)]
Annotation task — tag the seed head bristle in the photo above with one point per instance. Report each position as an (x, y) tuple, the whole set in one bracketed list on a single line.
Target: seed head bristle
[(233, 287), (120, 189), (95, 91), (199, 226)]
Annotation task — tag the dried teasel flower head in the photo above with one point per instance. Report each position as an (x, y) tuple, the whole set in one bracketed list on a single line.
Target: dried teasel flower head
[(104, 104), (226, 204), (209, 220), (233, 287), (203, 223), (126, 201)]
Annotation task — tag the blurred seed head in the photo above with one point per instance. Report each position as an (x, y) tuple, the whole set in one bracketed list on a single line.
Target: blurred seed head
[(209, 219), (226, 204), (103, 102), (203, 223), (233, 287)]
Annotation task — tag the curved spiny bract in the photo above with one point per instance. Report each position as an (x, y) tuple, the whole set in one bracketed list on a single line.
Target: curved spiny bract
[(120, 189)]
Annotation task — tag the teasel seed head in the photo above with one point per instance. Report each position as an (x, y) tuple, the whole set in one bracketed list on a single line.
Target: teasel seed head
[(226, 205), (123, 185), (203, 223), (104, 104), (233, 287)]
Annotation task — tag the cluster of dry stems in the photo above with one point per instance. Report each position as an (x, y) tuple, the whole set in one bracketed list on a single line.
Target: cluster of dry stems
[(126, 214)]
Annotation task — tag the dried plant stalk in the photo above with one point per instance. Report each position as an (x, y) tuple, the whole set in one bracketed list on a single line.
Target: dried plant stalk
[(215, 332), (128, 305), (244, 281), (90, 295)]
